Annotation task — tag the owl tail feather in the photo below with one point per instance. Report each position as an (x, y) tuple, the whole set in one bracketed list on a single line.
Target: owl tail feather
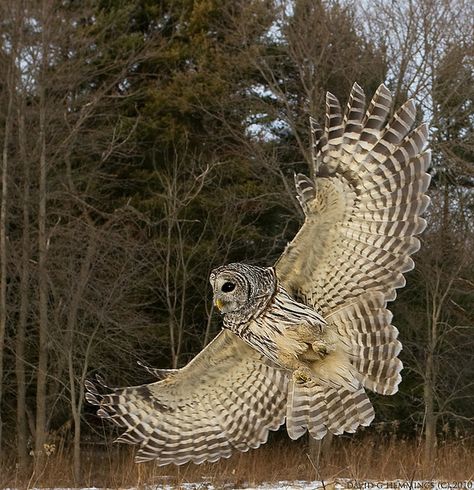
[(370, 341), (320, 409)]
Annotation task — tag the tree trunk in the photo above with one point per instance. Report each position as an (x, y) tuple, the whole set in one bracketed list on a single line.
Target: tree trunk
[(21, 416), (4, 230), (430, 417), (77, 398), (41, 380), (436, 301), (319, 450), (440, 289)]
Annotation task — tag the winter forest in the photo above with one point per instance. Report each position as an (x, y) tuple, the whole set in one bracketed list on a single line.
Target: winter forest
[(145, 142)]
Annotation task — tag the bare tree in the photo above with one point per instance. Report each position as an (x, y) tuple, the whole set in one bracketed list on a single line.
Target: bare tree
[(40, 426), (20, 341), (59, 114), (14, 41)]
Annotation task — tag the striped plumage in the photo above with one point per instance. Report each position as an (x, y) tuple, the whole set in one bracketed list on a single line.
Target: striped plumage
[(228, 397), (303, 340)]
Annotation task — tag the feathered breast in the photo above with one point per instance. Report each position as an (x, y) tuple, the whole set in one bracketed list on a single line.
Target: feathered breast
[(267, 332)]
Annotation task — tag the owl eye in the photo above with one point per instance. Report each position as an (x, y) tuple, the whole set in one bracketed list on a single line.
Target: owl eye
[(227, 287)]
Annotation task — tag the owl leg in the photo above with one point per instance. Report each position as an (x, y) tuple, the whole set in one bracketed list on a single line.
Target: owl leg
[(319, 344), (324, 345), (303, 376), (322, 348), (301, 372)]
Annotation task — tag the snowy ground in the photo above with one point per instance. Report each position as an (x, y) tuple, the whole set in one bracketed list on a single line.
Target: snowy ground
[(346, 484), (341, 484)]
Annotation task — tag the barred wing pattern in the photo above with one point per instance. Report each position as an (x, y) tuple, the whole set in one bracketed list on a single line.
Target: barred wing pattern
[(362, 213), (228, 397), (363, 210)]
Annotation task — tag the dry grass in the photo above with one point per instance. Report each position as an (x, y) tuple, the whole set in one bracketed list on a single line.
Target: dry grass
[(367, 458)]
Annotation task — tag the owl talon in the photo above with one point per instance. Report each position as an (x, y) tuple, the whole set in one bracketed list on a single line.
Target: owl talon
[(302, 376), (322, 349)]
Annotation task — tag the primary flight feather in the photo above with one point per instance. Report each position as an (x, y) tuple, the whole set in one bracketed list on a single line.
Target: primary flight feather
[(302, 340)]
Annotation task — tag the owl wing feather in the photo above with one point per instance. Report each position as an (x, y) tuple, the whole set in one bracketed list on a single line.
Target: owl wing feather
[(228, 397), (362, 212)]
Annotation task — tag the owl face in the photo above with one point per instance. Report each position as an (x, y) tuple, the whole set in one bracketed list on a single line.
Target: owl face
[(238, 287), (231, 289)]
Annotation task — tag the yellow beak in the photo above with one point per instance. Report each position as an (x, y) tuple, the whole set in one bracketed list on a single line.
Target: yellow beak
[(218, 303)]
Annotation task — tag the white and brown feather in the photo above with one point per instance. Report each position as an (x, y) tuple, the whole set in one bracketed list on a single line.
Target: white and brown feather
[(228, 397), (349, 257), (269, 329), (362, 209)]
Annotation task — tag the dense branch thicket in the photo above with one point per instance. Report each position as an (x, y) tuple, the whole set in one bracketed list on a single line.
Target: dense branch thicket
[(145, 142)]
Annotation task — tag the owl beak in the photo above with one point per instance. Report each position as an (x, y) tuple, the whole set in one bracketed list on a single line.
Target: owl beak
[(219, 304)]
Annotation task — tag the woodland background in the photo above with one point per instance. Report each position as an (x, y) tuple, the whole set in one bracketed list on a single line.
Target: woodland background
[(145, 142)]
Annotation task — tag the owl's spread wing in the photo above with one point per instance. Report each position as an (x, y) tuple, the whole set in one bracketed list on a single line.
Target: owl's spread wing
[(228, 397), (362, 212)]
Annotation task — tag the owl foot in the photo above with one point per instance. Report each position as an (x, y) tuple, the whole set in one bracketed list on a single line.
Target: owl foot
[(302, 376), (322, 349)]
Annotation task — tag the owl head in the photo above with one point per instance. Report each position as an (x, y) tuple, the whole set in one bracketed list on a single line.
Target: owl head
[(241, 288)]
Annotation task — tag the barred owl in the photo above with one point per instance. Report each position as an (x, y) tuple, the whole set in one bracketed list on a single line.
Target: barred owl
[(302, 340)]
